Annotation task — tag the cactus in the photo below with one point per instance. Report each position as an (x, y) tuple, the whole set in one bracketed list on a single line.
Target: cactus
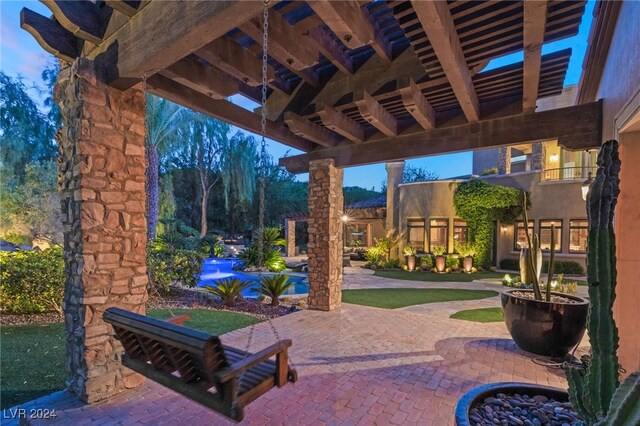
[(594, 380), (531, 258)]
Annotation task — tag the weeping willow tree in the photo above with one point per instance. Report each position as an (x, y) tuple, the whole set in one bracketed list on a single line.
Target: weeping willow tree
[(238, 172), (163, 125)]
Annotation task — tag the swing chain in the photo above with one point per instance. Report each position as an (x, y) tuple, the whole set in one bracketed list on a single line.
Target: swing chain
[(263, 126)]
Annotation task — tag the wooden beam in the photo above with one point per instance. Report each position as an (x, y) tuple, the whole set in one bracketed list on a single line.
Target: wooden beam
[(126, 7), (84, 19), (374, 113), (311, 131), (438, 24), (535, 22), (297, 57), (351, 23), (224, 110), (155, 39), (205, 79), (50, 35), (417, 105), (334, 120), (330, 48), (575, 127)]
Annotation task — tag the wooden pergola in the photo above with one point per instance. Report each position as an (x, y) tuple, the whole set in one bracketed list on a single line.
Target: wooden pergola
[(350, 83)]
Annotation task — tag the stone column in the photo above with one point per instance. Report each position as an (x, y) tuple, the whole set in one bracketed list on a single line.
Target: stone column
[(537, 156), (325, 235), (395, 174), (102, 186), (504, 160), (290, 235)]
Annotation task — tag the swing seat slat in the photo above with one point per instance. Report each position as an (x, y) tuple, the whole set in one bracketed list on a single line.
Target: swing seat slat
[(197, 365)]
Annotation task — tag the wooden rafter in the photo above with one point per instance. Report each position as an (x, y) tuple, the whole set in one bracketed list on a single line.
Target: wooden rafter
[(330, 48), (349, 21), (438, 24), (535, 21), (335, 120), (375, 114), (50, 35), (205, 79), (576, 127), (84, 19), (126, 7), (417, 105), (311, 131), (225, 111)]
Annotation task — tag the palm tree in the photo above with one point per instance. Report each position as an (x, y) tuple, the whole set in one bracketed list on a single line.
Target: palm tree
[(163, 122)]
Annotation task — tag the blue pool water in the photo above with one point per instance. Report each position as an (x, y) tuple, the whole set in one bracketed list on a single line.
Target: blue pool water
[(215, 269)]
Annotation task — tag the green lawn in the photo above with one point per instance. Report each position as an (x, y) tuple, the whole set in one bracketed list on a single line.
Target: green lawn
[(32, 360), (480, 315), (434, 277), (392, 298)]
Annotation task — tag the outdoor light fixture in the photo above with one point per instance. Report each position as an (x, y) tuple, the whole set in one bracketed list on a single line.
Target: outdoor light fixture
[(585, 187), (553, 157), (503, 228), (345, 218)]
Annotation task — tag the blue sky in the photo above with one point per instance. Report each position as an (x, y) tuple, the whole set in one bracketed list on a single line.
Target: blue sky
[(21, 55)]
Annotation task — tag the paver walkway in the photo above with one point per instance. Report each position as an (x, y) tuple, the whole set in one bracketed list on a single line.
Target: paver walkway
[(356, 365)]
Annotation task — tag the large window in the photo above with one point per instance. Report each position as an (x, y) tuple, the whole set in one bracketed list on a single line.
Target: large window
[(415, 233), (438, 233), (545, 234), (460, 231), (578, 231), (519, 235)]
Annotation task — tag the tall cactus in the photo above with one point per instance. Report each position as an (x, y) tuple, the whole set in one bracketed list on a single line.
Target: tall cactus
[(593, 382)]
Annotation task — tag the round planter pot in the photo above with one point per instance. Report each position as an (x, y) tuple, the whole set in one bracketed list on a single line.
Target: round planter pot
[(545, 328), (467, 263), (441, 263), (476, 395), (411, 263)]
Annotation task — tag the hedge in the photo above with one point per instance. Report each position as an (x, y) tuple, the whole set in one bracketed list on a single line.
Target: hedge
[(510, 264), (32, 281), (568, 267), (168, 266)]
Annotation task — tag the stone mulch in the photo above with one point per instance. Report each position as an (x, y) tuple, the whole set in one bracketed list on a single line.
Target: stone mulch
[(25, 319)]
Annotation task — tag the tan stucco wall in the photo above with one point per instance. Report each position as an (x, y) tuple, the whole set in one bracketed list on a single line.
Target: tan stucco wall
[(558, 200), (621, 75)]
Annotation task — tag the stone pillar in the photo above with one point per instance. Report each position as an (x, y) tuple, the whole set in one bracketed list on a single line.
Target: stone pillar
[(290, 235), (537, 156), (504, 160), (395, 175), (325, 235), (102, 186)]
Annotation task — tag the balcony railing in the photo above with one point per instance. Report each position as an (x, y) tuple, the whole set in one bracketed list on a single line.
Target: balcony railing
[(568, 173)]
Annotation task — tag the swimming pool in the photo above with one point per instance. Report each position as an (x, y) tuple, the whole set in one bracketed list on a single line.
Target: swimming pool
[(215, 269)]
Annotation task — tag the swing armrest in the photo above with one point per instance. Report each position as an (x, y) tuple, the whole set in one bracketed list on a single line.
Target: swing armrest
[(236, 369)]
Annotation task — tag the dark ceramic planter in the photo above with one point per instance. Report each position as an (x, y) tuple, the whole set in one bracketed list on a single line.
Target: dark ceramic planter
[(545, 328), (476, 395)]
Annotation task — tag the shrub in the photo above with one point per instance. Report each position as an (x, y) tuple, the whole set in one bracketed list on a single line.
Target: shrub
[(392, 264), (32, 281), (374, 256), (410, 250), (272, 259), (489, 171), (168, 266), (568, 267), (510, 264), (274, 287), (228, 289), (438, 250), (426, 262), (464, 249), (452, 262)]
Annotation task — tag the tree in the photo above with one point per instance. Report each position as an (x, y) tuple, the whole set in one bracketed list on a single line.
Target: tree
[(238, 172), (163, 123), (413, 174), (26, 136), (50, 77)]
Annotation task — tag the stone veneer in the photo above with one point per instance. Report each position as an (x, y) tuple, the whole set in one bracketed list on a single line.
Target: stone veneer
[(504, 160), (325, 235), (537, 156), (290, 234), (102, 186)]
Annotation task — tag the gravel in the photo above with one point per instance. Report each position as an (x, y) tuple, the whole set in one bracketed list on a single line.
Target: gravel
[(554, 298), (522, 410)]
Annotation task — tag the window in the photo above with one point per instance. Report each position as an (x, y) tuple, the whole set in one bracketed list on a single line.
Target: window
[(415, 233), (578, 231), (438, 233), (357, 234), (545, 234), (460, 231), (519, 236)]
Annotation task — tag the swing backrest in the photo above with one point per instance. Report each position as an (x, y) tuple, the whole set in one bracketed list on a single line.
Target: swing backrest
[(191, 355)]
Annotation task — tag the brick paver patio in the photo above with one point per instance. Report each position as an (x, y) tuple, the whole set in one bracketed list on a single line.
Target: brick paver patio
[(357, 365)]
